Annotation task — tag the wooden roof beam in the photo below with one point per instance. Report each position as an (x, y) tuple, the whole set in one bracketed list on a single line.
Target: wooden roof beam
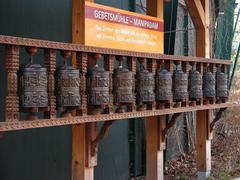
[(197, 13)]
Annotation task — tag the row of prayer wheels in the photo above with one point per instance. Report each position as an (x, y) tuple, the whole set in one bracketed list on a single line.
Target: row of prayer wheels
[(163, 86)]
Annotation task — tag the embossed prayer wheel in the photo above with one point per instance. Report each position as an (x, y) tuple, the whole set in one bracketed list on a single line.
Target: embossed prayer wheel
[(98, 86), (221, 84), (163, 85), (122, 85), (180, 85), (68, 84), (145, 86), (208, 85), (195, 84), (33, 84)]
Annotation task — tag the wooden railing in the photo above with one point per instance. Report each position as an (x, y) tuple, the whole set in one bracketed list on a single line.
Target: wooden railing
[(83, 55)]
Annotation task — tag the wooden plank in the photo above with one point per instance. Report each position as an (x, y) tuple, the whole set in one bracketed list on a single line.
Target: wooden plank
[(79, 169), (154, 148), (197, 13), (154, 144), (203, 143), (79, 132), (155, 8), (19, 41), (20, 125)]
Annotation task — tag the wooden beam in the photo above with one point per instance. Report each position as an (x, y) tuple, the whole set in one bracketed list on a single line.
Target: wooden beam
[(154, 140), (203, 143), (79, 158), (155, 148), (197, 13), (155, 8), (78, 23), (80, 139)]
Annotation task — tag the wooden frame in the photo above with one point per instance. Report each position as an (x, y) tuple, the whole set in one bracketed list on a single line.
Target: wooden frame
[(84, 135)]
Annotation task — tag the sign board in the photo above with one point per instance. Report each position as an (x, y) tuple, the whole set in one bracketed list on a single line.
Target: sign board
[(109, 27)]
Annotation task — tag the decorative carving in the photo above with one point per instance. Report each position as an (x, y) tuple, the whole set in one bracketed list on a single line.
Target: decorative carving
[(82, 58), (195, 84), (109, 65), (50, 64), (12, 100), (83, 53)]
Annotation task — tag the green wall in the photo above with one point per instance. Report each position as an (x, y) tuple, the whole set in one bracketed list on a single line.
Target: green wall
[(45, 154)]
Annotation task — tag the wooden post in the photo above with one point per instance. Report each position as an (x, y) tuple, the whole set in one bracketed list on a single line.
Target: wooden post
[(154, 144), (199, 12), (80, 170), (203, 138), (155, 147)]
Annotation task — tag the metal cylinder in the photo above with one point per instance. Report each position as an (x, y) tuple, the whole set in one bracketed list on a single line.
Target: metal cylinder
[(122, 86), (33, 86), (208, 85), (163, 85), (145, 87), (68, 85), (221, 84), (195, 84), (180, 85), (98, 86)]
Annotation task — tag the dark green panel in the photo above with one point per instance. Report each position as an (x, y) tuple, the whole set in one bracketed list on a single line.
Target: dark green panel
[(40, 154), (113, 159), (45, 154)]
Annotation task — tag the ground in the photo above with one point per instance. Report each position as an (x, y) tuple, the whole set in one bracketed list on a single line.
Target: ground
[(225, 152)]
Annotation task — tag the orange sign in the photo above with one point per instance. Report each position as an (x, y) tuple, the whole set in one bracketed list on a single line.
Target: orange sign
[(109, 27)]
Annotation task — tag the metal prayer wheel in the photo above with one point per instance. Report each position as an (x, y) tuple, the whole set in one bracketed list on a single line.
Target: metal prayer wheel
[(208, 84), (180, 84), (122, 85), (163, 85), (33, 84), (221, 84), (195, 84), (145, 86), (68, 85), (98, 86)]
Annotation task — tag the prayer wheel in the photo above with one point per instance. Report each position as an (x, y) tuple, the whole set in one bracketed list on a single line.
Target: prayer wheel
[(68, 85), (145, 86), (208, 84), (98, 86), (221, 84), (180, 84), (122, 85), (33, 84), (163, 85), (195, 84)]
